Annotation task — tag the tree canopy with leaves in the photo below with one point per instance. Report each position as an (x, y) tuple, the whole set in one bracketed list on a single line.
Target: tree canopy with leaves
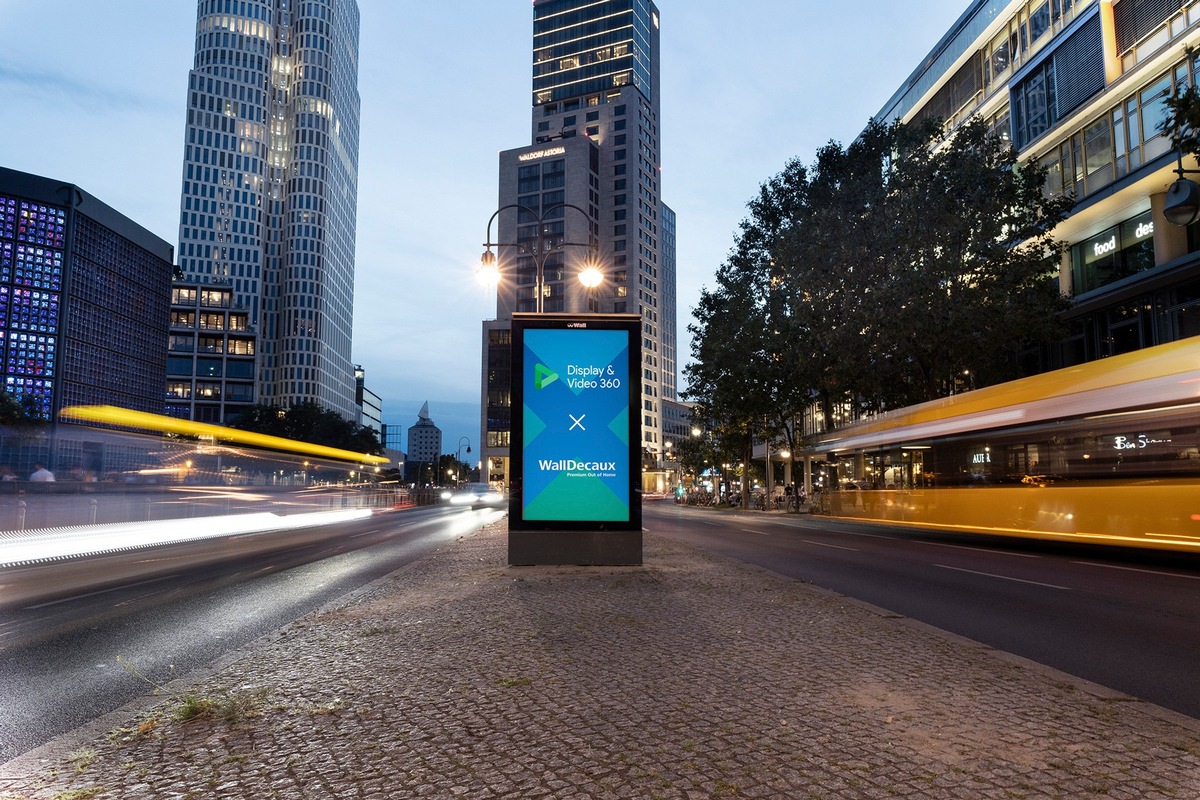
[(879, 277), (15, 413)]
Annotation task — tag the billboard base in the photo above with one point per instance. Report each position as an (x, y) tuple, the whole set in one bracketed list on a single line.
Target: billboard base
[(577, 548)]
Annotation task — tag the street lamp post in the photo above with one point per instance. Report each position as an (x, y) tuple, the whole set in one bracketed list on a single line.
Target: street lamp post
[(540, 249), (458, 453)]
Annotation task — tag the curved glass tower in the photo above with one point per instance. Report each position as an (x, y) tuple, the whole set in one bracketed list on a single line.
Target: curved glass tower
[(270, 184)]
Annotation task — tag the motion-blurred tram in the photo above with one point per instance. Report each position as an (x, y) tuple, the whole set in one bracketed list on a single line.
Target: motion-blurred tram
[(1105, 452)]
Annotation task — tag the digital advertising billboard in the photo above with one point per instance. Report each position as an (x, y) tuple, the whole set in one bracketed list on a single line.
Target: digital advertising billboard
[(576, 445)]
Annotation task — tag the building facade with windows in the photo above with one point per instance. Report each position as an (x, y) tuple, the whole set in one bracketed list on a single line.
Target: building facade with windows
[(424, 451), (211, 354), (370, 405), (270, 175), (1079, 86), (84, 300), (586, 193)]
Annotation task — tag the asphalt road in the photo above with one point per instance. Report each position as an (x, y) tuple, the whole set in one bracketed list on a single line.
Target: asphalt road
[(1129, 620), (59, 663)]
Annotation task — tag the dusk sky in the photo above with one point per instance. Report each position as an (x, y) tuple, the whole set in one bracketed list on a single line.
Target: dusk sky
[(93, 93)]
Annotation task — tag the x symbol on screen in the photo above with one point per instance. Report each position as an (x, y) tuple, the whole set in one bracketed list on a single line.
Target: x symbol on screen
[(576, 423)]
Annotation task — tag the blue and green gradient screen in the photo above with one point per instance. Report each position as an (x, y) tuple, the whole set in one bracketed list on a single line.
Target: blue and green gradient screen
[(575, 425)]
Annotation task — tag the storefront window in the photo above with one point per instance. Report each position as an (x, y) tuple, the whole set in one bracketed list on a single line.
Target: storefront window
[(1116, 253)]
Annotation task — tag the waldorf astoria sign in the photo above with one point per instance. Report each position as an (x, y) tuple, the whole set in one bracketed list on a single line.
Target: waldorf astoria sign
[(576, 440)]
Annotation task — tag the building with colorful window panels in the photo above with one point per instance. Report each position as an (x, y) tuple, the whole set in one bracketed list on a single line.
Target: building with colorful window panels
[(84, 299), (1079, 85)]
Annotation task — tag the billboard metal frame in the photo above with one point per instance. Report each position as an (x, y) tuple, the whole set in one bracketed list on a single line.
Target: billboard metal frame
[(576, 483)]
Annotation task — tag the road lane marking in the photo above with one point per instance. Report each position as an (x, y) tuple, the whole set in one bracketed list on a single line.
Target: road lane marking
[(62, 600), (978, 549), (1135, 569), (838, 546), (751, 530), (1005, 577)]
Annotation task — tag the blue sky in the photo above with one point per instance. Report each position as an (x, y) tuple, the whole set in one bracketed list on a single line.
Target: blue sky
[(93, 93)]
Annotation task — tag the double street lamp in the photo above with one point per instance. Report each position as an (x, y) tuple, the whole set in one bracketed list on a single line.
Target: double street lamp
[(539, 248)]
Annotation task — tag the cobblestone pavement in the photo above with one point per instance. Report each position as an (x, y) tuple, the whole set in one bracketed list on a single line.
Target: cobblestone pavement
[(691, 677)]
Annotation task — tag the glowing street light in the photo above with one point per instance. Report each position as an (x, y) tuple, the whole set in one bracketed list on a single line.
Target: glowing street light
[(540, 249)]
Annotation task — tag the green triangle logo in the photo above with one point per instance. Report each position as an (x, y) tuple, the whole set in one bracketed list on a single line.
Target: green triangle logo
[(543, 377)]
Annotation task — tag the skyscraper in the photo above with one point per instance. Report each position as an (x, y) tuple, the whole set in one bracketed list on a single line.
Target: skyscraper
[(590, 175), (270, 184)]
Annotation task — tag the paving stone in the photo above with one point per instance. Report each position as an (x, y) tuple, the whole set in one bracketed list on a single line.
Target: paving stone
[(692, 677)]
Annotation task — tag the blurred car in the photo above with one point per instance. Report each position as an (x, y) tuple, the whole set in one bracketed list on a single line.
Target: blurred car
[(476, 495)]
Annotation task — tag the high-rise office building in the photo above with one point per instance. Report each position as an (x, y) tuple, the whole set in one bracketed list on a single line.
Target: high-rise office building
[(586, 193), (84, 300), (270, 181)]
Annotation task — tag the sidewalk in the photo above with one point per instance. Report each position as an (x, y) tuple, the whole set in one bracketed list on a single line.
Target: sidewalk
[(691, 677)]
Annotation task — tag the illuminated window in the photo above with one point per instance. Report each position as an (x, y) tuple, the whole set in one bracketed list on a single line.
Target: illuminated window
[(181, 296), (241, 347), (212, 322)]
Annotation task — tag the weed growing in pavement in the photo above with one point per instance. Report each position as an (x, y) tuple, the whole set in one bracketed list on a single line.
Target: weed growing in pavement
[(231, 707), (137, 673), (509, 683), (332, 707), (145, 728), (82, 758), (78, 794)]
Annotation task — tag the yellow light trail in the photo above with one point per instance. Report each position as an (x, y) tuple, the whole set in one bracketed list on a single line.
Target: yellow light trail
[(141, 420)]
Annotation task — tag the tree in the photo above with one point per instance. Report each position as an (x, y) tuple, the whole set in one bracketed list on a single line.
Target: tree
[(748, 374), (917, 260), (877, 278), (1182, 122), (306, 421), (17, 413), (450, 469)]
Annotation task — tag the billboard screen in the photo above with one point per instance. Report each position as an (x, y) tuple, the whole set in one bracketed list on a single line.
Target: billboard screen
[(577, 428)]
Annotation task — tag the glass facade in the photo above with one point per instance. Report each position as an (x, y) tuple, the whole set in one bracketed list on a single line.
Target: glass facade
[(211, 355), (1119, 252), (32, 252), (583, 47), (80, 302), (269, 199)]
